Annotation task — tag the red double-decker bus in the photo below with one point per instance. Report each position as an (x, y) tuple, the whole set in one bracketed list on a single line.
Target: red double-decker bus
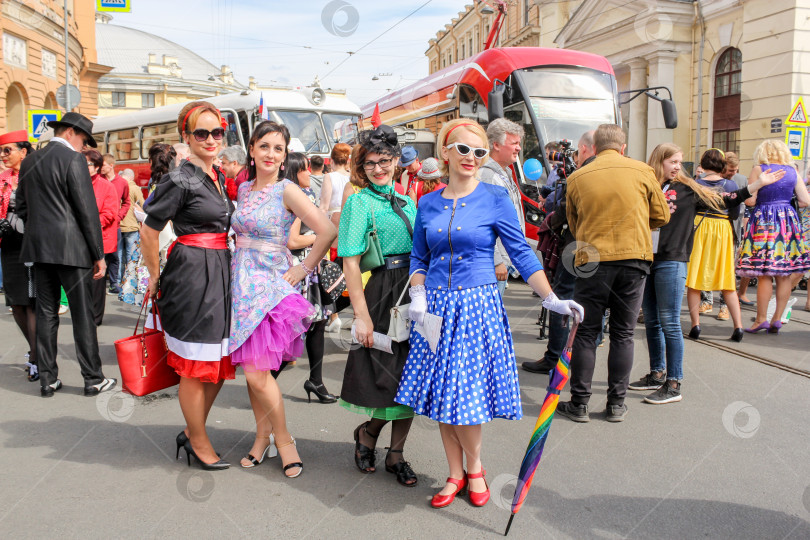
[(554, 94)]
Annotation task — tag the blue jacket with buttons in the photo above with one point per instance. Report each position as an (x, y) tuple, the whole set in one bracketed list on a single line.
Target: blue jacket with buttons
[(455, 246)]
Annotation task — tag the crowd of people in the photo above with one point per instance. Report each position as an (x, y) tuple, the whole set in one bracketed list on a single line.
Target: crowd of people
[(258, 229)]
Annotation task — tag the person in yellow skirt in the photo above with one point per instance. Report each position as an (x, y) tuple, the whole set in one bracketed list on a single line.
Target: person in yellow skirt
[(711, 265)]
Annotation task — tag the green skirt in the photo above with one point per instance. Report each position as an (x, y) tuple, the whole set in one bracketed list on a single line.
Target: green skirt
[(398, 412)]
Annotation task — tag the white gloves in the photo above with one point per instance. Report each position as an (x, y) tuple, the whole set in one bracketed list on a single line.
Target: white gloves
[(418, 307), (563, 307)]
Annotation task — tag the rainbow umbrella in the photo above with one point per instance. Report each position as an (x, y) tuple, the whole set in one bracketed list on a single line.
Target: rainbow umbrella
[(557, 380)]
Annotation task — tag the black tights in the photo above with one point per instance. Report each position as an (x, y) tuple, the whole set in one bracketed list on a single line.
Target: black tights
[(399, 432), (315, 346), (26, 319)]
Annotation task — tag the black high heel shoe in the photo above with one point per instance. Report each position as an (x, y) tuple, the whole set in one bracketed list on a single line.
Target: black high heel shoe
[(181, 439), (320, 392), (218, 466), (737, 335), (694, 333)]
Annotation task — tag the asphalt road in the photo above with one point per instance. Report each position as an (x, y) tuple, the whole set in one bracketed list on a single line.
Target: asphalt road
[(729, 461)]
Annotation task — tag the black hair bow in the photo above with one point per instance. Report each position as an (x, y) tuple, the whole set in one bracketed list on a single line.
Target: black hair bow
[(384, 135)]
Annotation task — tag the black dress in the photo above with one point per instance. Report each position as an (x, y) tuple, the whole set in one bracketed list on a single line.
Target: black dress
[(17, 278), (195, 303)]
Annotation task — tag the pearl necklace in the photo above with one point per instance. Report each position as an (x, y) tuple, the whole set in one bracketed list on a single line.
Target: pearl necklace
[(252, 203)]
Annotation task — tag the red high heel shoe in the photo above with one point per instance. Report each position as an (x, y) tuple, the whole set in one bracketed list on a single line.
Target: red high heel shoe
[(478, 498), (440, 501)]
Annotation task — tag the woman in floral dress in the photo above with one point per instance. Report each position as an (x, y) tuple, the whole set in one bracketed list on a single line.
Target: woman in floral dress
[(269, 314)]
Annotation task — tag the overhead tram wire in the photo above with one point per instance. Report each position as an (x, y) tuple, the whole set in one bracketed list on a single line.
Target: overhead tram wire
[(375, 39)]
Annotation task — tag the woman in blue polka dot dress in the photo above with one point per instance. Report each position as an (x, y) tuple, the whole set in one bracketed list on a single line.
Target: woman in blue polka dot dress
[(472, 376)]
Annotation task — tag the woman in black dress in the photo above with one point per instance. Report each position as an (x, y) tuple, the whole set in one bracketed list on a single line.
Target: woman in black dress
[(194, 298), (17, 277)]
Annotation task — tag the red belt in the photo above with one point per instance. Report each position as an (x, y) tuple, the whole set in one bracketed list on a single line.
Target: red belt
[(203, 240)]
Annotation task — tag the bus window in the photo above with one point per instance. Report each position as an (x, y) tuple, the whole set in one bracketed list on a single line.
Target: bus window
[(232, 131), (306, 127), (472, 106), (99, 137), (340, 127), (244, 125), (123, 144), (160, 133)]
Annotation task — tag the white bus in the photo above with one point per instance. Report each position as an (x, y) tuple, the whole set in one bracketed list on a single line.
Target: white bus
[(316, 120)]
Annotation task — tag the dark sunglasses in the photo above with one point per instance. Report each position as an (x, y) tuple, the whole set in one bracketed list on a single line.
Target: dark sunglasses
[(7, 150), (463, 149), (201, 135)]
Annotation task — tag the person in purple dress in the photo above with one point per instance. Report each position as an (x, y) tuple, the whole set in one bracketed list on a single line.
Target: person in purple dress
[(774, 244), (269, 315)]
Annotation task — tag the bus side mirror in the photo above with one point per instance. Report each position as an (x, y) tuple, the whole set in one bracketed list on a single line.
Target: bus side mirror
[(670, 113), (495, 103)]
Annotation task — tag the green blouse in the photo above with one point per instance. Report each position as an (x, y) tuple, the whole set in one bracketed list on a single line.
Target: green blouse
[(356, 222)]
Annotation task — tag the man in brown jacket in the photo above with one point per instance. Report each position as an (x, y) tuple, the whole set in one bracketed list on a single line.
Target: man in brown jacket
[(612, 204)]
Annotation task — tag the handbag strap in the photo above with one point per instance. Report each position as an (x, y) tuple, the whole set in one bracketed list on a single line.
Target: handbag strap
[(401, 296), (155, 314)]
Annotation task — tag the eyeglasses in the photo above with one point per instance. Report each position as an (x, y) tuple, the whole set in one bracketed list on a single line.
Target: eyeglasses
[(463, 149), (91, 165), (7, 150), (201, 135), (383, 163)]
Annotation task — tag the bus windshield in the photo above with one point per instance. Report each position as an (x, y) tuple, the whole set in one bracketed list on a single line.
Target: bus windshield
[(567, 102), (341, 127), (306, 127)]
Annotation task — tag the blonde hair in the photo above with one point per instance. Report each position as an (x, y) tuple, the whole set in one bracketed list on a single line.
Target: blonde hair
[(773, 151), (663, 152), (609, 137), (449, 135)]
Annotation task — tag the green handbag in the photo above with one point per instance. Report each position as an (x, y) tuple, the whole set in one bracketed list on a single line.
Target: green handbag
[(372, 258)]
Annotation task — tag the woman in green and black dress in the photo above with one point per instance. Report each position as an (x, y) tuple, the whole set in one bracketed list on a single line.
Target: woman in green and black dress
[(371, 378)]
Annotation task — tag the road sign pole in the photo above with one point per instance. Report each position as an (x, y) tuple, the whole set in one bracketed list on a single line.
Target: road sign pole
[(67, 62)]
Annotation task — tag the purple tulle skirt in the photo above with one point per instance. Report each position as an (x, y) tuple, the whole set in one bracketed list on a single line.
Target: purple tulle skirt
[(278, 338)]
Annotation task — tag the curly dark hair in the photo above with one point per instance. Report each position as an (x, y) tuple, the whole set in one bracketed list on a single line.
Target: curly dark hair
[(161, 158)]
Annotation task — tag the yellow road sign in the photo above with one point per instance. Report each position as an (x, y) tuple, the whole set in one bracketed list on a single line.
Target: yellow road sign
[(798, 115)]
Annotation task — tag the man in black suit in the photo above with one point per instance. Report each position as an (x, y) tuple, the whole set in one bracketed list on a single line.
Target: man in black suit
[(55, 199)]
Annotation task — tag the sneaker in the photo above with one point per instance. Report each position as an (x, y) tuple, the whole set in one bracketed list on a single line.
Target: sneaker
[(648, 382), (62, 309), (665, 394), (114, 291), (577, 413), (705, 307), (542, 366), (615, 413), (334, 326), (723, 315), (103, 386)]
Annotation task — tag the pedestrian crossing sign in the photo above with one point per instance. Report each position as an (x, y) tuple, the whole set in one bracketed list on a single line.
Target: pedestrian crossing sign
[(38, 122), (798, 115)]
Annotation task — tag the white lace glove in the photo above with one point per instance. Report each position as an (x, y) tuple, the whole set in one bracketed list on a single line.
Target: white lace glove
[(563, 307), (418, 306)]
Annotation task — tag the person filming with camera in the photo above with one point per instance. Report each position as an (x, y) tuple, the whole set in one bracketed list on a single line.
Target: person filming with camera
[(563, 282)]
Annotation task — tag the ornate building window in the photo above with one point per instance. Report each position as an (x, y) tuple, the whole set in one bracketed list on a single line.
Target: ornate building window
[(48, 63), (15, 51), (147, 100), (119, 99), (727, 94)]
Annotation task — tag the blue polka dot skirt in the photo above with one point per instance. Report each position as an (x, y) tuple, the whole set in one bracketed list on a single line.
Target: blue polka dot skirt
[(472, 378)]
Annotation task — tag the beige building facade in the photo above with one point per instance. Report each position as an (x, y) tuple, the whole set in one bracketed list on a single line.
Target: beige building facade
[(735, 67), (32, 66), (151, 71)]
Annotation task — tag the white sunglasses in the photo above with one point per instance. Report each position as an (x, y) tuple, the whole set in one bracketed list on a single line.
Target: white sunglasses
[(464, 149)]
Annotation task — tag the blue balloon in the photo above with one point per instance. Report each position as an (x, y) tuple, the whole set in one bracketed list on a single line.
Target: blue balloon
[(532, 169)]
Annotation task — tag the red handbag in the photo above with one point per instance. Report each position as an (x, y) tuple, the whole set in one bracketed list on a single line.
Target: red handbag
[(142, 359)]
